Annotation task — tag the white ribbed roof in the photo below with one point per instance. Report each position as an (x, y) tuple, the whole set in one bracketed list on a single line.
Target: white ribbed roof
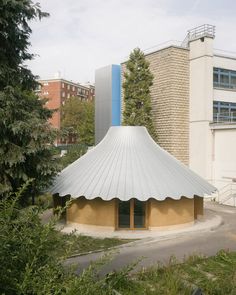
[(127, 164)]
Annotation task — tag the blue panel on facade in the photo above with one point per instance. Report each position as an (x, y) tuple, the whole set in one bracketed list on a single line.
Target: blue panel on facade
[(116, 95)]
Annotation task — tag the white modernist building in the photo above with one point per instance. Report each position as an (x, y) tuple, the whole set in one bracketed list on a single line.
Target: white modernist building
[(212, 114)]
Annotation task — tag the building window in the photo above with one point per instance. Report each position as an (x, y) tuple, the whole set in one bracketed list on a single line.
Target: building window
[(224, 112), (224, 78), (63, 94), (45, 84), (38, 87), (68, 87), (73, 88), (63, 85), (68, 95), (45, 93)]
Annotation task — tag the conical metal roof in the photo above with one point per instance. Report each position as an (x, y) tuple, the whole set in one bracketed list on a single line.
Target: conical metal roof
[(127, 164)]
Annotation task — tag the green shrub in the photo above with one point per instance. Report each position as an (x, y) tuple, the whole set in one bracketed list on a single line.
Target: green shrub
[(32, 256), (44, 201)]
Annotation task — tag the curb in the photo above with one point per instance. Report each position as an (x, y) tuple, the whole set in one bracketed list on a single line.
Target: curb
[(99, 250)]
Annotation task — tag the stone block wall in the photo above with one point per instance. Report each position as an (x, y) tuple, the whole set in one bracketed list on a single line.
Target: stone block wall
[(170, 99)]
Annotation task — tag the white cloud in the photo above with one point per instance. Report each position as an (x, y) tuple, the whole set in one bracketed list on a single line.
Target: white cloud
[(81, 36)]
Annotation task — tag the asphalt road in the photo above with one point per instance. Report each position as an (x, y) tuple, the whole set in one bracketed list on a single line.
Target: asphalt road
[(155, 251)]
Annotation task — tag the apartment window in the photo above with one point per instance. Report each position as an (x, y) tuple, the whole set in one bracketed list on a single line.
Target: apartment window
[(224, 78), (45, 93), (224, 111), (68, 95), (63, 94), (63, 85), (73, 88), (45, 84), (68, 87)]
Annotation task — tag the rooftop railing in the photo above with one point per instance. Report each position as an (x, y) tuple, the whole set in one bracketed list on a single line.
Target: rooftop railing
[(199, 32)]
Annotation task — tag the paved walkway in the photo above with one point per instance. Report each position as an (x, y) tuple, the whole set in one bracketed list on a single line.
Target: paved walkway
[(213, 234)]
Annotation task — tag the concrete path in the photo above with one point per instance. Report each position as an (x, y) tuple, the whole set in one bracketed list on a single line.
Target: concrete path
[(207, 241)]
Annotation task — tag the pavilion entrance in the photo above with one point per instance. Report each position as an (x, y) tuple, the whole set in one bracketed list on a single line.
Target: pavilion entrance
[(132, 214)]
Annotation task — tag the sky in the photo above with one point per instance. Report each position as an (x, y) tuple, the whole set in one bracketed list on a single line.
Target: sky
[(81, 36)]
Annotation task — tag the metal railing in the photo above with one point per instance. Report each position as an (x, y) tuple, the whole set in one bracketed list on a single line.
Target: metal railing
[(199, 32), (224, 117), (227, 194)]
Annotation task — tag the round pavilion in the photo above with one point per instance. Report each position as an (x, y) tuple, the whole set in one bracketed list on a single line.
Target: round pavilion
[(129, 182)]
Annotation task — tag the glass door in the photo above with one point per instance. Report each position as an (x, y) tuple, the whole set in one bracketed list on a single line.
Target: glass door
[(132, 214), (139, 214), (124, 214)]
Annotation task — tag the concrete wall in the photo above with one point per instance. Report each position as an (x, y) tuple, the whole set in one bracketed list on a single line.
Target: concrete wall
[(224, 143), (224, 62), (224, 155), (201, 106), (228, 95), (170, 99), (92, 212), (170, 212)]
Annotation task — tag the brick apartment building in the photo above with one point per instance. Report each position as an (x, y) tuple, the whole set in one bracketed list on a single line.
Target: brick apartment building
[(57, 91)]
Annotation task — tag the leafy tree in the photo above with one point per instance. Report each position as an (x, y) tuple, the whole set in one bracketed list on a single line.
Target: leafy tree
[(78, 119), (137, 99), (25, 135), (74, 152)]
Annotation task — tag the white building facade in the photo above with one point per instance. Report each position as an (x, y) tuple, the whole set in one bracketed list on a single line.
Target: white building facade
[(212, 115)]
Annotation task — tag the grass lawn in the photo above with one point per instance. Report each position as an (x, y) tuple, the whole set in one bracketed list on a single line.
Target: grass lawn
[(79, 244), (215, 276)]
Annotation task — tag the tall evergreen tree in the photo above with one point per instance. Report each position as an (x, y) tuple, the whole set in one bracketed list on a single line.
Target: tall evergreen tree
[(25, 135), (137, 99)]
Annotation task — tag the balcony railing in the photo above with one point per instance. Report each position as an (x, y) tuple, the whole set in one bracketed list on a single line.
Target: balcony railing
[(229, 117)]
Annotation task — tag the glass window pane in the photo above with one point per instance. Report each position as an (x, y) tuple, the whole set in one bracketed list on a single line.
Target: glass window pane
[(233, 116), (224, 71), (224, 79), (139, 214), (124, 214), (233, 81), (215, 78)]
